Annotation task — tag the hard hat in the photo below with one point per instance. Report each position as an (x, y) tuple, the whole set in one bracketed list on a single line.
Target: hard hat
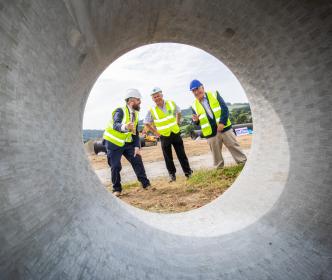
[(156, 90), (132, 92), (195, 84)]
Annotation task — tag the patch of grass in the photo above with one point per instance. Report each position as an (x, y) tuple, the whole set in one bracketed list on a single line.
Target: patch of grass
[(233, 170), (190, 190), (215, 178), (131, 185), (204, 186)]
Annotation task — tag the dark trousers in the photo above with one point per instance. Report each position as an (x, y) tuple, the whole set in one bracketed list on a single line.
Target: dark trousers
[(114, 154), (166, 145)]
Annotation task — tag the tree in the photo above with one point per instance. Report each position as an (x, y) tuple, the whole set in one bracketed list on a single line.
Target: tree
[(242, 118), (185, 121), (187, 129), (240, 115)]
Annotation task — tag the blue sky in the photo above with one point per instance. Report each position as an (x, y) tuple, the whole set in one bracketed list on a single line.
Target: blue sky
[(169, 66)]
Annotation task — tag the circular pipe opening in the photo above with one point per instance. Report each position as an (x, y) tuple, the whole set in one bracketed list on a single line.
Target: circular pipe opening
[(170, 66)]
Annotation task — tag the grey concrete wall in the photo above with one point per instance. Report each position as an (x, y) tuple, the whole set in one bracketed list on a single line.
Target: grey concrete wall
[(56, 219)]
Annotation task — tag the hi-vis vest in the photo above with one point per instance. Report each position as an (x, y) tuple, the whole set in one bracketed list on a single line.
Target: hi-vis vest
[(216, 109), (165, 123), (116, 137)]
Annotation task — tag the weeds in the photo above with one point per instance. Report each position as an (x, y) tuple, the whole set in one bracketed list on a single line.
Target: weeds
[(182, 195)]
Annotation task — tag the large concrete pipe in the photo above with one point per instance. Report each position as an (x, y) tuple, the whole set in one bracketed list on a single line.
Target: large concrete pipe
[(56, 219)]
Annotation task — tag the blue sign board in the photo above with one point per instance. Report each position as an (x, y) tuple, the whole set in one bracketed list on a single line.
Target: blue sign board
[(241, 131)]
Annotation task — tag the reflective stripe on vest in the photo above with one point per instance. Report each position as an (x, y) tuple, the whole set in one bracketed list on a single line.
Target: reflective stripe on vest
[(203, 119), (165, 123), (116, 137)]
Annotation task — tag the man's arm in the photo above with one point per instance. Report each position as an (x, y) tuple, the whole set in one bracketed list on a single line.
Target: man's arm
[(148, 121), (177, 114), (117, 121), (178, 117), (152, 128)]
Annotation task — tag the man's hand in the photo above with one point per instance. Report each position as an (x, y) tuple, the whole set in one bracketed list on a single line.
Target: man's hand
[(153, 129), (137, 152), (195, 118), (156, 133), (220, 127), (130, 126)]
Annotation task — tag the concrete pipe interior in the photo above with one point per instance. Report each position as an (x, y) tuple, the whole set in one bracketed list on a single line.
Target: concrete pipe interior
[(58, 222)]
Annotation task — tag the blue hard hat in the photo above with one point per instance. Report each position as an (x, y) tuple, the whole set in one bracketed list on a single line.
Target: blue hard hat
[(195, 84)]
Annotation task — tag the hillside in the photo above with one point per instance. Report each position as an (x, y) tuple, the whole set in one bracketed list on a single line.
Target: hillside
[(93, 134)]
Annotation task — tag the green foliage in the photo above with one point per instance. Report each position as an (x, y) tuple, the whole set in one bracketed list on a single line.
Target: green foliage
[(191, 190), (185, 121), (214, 177), (131, 185), (204, 178), (240, 114), (233, 171), (183, 194), (187, 129)]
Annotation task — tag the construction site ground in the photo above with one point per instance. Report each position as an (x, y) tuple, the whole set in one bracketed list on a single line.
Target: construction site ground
[(179, 196)]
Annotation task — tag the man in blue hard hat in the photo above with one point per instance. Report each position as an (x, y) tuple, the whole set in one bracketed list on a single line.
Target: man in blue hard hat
[(211, 113), (121, 138)]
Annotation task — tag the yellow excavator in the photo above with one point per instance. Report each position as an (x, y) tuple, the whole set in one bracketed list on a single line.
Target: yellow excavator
[(147, 138)]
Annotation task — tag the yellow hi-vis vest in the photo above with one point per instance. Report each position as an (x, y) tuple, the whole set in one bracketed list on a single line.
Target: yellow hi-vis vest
[(216, 110), (116, 137), (165, 123)]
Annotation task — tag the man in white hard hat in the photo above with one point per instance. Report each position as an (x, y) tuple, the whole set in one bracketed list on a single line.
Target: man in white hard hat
[(121, 138), (163, 120)]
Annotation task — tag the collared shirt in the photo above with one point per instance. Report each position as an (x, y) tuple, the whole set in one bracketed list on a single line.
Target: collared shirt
[(148, 119), (206, 105)]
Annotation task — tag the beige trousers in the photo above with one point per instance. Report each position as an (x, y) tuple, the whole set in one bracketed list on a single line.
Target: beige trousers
[(229, 139)]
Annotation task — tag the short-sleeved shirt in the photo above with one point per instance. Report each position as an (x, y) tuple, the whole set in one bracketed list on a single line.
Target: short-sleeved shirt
[(149, 119)]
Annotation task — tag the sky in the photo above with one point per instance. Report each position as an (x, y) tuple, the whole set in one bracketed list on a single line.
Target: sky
[(171, 67)]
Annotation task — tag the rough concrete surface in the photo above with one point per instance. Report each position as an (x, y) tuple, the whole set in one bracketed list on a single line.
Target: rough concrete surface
[(56, 219)]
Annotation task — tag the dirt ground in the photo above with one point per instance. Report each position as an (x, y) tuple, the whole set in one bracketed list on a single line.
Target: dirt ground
[(183, 194), (179, 196), (154, 153)]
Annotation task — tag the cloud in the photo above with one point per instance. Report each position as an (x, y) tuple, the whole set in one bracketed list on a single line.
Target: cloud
[(169, 66)]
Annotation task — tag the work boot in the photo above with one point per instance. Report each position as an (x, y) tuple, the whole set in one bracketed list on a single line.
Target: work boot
[(188, 175), (172, 178), (147, 187), (117, 193)]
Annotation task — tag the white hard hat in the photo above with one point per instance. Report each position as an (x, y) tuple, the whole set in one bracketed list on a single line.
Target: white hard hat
[(155, 90), (132, 92)]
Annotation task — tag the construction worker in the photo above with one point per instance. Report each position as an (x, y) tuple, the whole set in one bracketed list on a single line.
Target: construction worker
[(121, 138), (163, 120), (211, 113)]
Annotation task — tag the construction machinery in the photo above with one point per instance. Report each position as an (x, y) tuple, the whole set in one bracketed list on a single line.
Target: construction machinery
[(145, 141)]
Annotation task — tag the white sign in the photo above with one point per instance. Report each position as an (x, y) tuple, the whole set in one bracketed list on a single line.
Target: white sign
[(241, 131)]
